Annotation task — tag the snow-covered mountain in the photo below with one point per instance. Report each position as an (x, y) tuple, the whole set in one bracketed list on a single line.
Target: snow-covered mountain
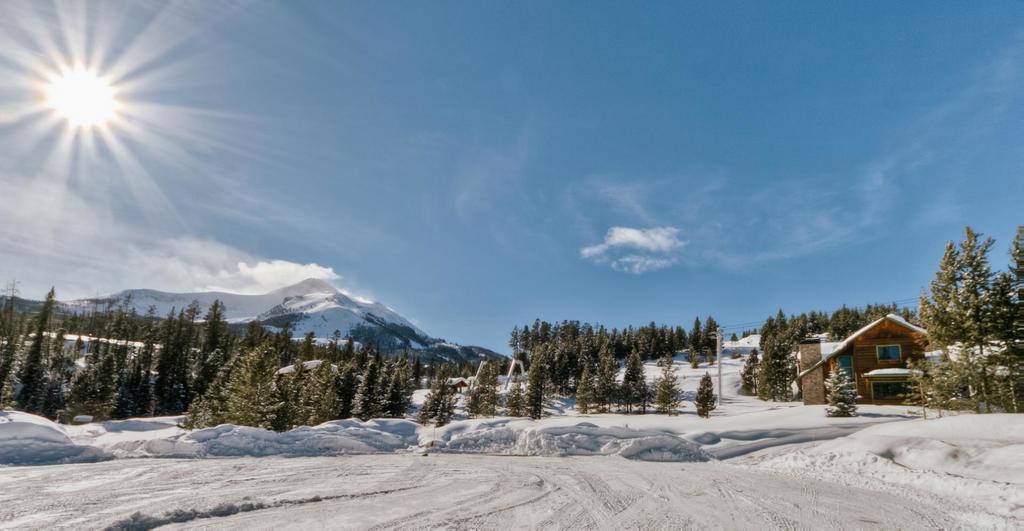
[(308, 306)]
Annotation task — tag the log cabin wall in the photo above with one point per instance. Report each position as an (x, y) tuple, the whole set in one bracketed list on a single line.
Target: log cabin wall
[(865, 357)]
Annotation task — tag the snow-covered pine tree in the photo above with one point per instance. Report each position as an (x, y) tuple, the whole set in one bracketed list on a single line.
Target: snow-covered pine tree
[(668, 397), (585, 398), (842, 395), (515, 404), (705, 400), (748, 375)]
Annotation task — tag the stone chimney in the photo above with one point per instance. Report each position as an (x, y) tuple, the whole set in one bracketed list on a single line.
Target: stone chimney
[(812, 385)]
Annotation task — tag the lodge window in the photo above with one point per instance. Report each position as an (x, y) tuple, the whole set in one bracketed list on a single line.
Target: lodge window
[(888, 352), (888, 390)]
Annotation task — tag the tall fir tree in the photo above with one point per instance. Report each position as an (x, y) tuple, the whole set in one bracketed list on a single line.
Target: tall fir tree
[(321, 399), (696, 343), (536, 384), (346, 386), (33, 369), (668, 396), (367, 404), (585, 395), (634, 383), (605, 385), (748, 375), (250, 396)]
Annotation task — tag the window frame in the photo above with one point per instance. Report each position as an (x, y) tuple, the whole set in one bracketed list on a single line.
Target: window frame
[(904, 383), (899, 352)]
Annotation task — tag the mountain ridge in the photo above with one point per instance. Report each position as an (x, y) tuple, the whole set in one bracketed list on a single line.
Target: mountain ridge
[(311, 305)]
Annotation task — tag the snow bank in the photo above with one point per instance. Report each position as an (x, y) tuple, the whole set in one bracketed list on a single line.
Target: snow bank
[(227, 440), (528, 437), (976, 458), (28, 439)]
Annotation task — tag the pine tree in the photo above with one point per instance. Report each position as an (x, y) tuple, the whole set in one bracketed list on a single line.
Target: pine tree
[(33, 368), (10, 342), (515, 404), (776, 370), (320, 397), (748, 375), (605, 386), (250, 395), (483, 397), (367, 401), (345, 388), (212, 355), (976, 279), (535, 385), (634, 383), (705, 401), (585, 396), (696, 343), (842, 395), (439, 405), (668, 397), (398, 393)]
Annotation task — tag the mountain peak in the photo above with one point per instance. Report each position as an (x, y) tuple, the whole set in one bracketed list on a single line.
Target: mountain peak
[(305, 287)]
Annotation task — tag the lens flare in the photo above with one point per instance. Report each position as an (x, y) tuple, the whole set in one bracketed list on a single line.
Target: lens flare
[(82, 97)]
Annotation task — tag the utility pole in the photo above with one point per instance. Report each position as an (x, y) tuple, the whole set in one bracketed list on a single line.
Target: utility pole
[(718, 358)]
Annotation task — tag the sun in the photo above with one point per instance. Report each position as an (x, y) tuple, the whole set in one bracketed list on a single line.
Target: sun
[(81, 97)]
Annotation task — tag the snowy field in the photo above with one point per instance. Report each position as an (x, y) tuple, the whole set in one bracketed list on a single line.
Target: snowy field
[(753, 465), (402, 491)]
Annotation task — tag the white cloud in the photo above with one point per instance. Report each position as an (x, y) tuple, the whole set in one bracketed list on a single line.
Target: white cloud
[(52, 236), (268, 275), (655, 240), (635, 250)]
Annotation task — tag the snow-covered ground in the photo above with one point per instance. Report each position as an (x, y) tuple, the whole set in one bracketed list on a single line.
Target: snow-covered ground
[(403, 491), (774, 465)]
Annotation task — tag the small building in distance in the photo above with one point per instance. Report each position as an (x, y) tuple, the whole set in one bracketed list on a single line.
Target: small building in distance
[(875, 357)]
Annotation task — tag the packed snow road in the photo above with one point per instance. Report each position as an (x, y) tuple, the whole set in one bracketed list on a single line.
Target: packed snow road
[(461, 491)]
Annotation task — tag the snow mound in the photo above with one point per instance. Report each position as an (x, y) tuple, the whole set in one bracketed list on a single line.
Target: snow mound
[(972, 457), (228, 440), (27, 439), (526, 437)]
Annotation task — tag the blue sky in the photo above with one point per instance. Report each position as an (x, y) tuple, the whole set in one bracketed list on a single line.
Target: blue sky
[(478, 164)]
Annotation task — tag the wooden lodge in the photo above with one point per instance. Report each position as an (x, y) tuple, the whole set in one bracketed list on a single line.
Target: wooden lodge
[(875, 357)]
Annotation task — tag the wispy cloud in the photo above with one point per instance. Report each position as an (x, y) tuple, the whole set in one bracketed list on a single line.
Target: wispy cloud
[(636, 251)]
